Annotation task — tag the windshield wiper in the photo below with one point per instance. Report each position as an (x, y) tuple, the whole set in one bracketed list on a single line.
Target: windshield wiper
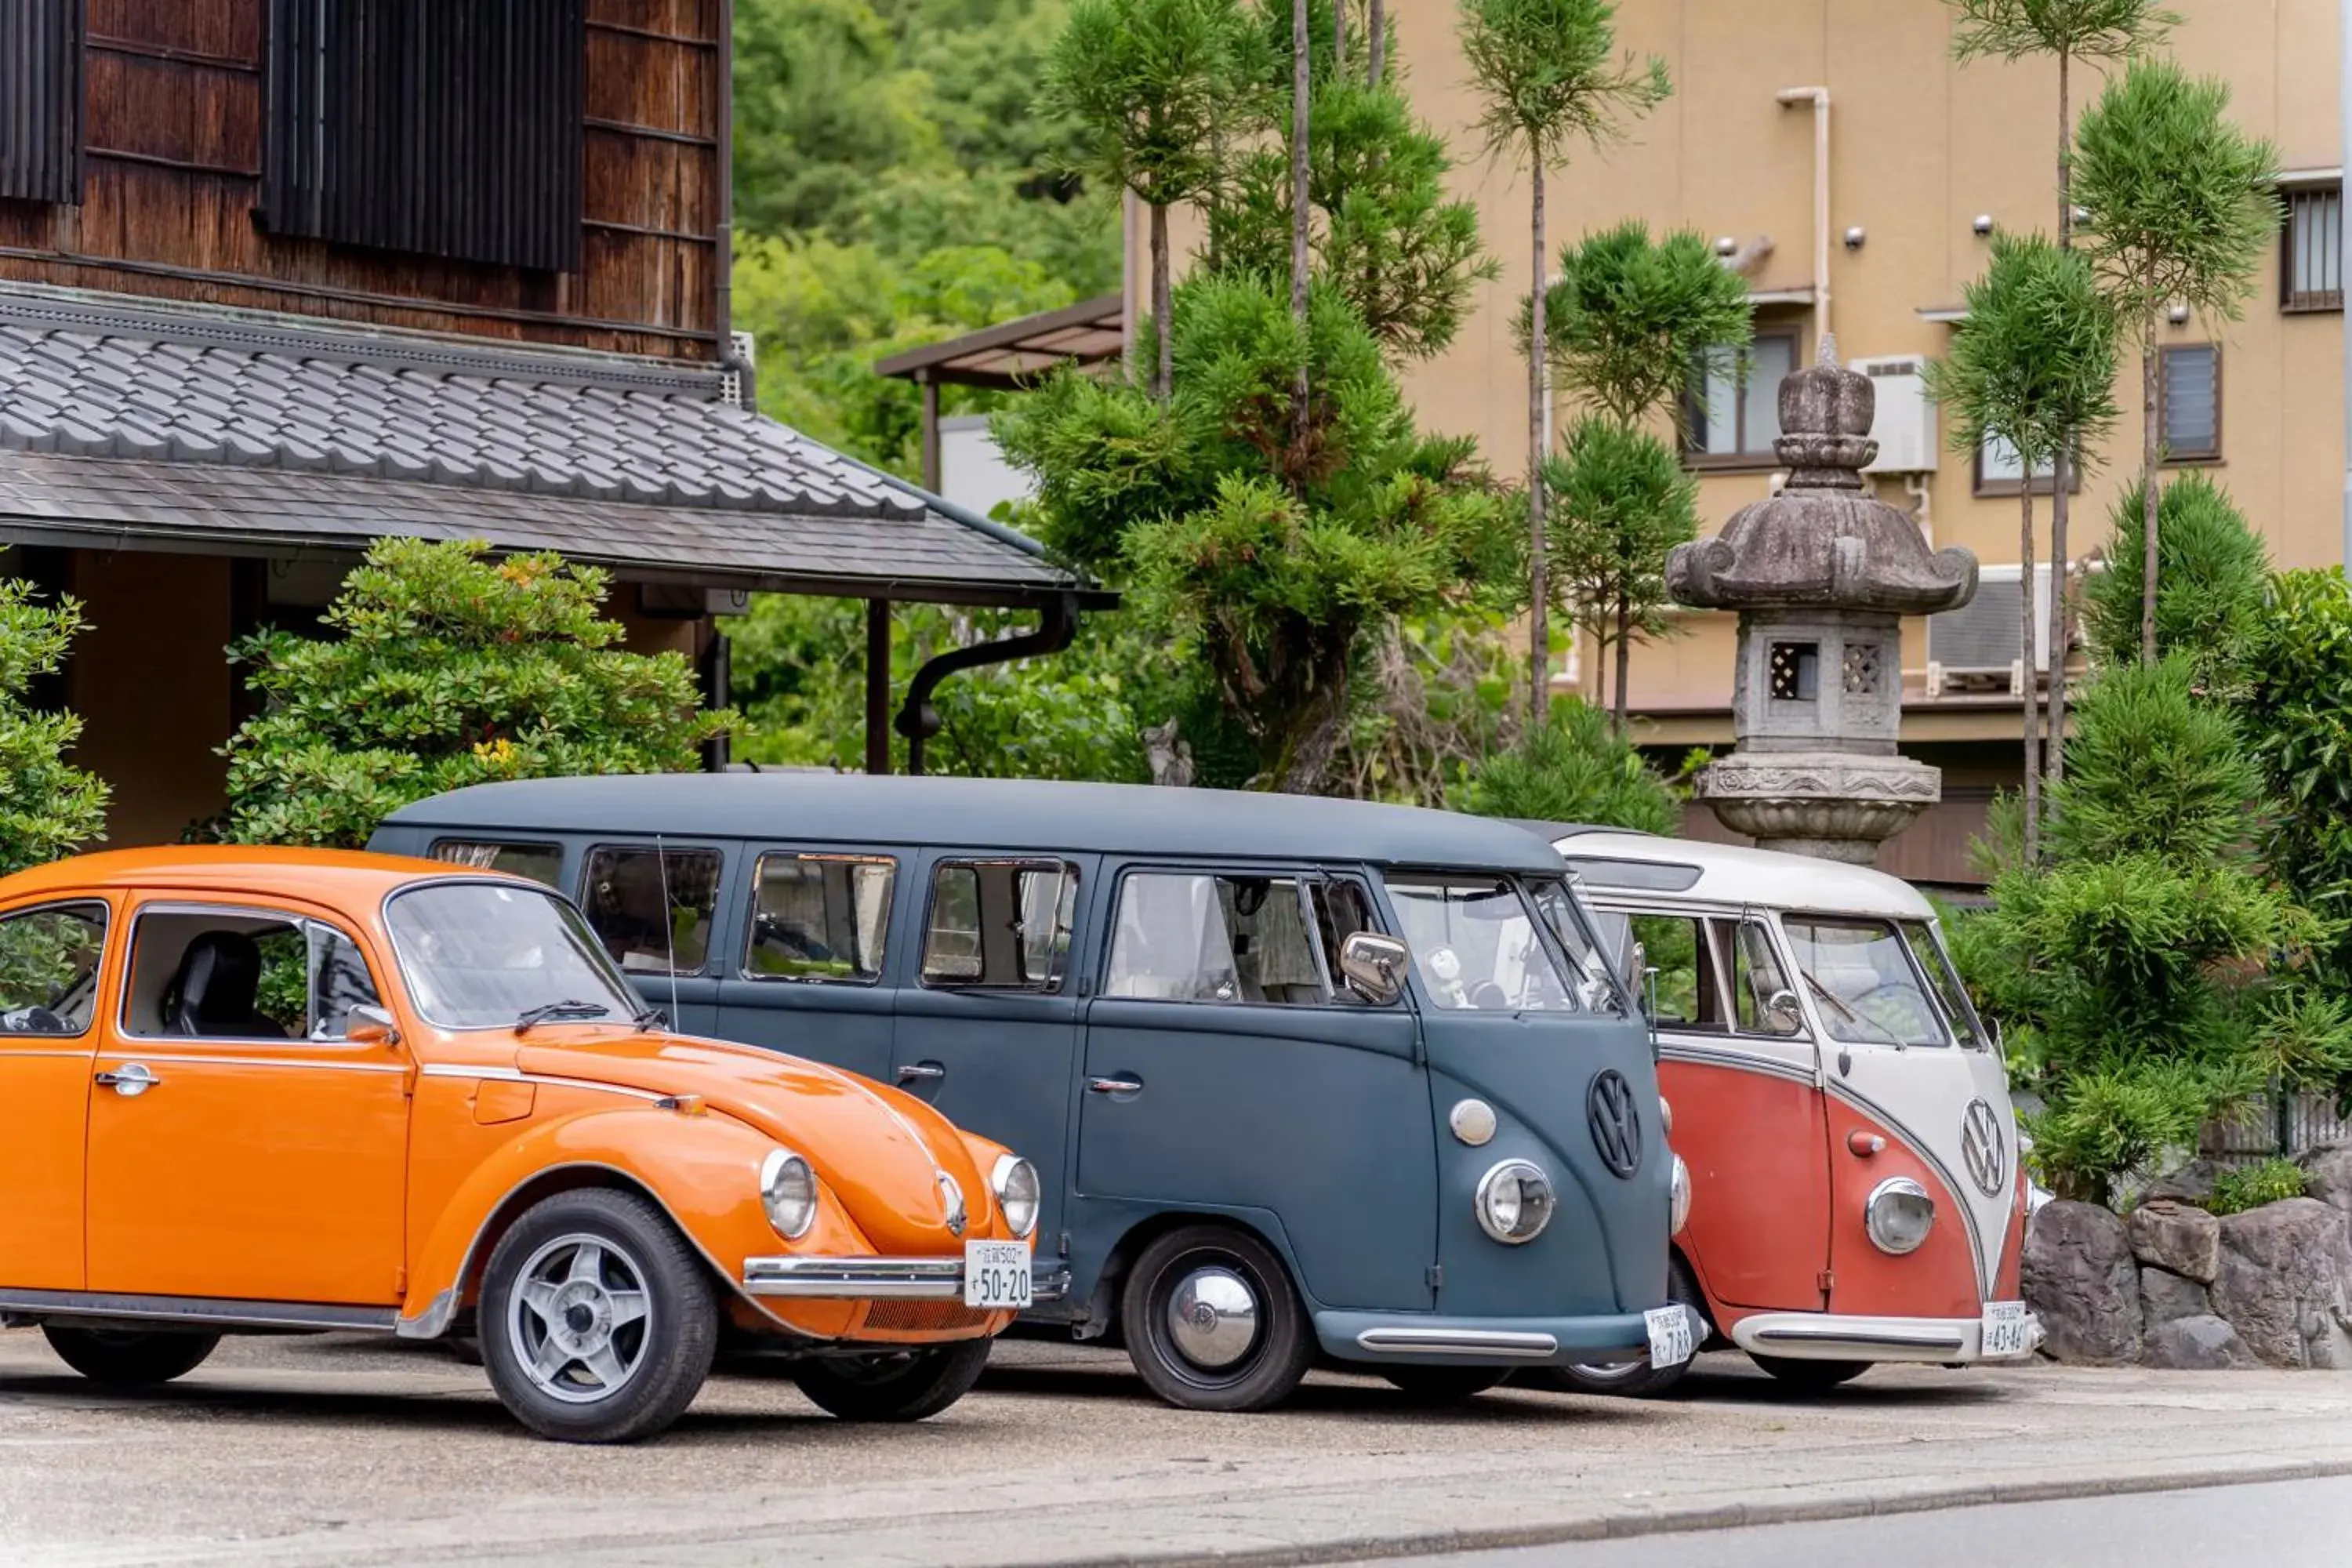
[(568, 1008), (1824, 992), (648, 1017)]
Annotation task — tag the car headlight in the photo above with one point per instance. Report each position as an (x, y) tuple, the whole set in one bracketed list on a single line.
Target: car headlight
[(1679, 1199), (1014, 1181), (1899, 1216), (1515, 1202), (788, 1191)]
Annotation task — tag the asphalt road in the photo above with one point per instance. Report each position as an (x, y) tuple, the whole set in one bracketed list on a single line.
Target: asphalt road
[(2294, 1524), (346, 1450)]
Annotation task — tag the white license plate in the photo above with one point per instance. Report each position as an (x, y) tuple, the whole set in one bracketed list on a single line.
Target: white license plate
[(2008, 1329), (1670, 1335), (996, 1275)]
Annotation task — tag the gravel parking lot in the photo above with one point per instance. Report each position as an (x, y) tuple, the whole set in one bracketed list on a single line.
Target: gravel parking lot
[(350, 1450)]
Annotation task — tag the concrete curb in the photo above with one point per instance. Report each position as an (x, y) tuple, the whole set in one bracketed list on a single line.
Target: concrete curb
[(1845, 1503)]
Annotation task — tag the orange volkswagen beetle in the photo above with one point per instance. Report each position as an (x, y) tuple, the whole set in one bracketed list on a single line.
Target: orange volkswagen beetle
[(253, 1089)]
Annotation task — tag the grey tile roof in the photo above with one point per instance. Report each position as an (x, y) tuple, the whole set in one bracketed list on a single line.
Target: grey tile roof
[(122, 417)]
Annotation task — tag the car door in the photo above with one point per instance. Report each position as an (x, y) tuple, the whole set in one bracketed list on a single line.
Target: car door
[(239, 1146), (1742, 1076), (51, 969), (1226, 1070), (807, 974), (986, 1026)]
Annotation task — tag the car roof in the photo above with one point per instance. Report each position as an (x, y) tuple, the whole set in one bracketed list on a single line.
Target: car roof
[(1024, 815), (1729, 874), (321, 875)]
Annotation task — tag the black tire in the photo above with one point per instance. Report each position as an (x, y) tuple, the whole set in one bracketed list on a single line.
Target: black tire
[(130, 1358), (1811, 1376), (893, 1385), (1443, 1385), (1280, 1342), (660, 1366), (1639, 1379)]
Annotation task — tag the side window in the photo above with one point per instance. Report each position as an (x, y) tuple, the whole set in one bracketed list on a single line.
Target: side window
[(339, 982), (1196, 938), (999, 924), (219, 975), (48, 969), (1756, 979), (652, 908), (819, 917), (1678, 948), (540, 862)]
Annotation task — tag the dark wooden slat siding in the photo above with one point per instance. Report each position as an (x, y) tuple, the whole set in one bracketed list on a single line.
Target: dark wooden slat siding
[(41, 100), (438, 129)]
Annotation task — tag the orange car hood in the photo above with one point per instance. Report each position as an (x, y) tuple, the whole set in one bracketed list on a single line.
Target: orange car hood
[(881, 1152)]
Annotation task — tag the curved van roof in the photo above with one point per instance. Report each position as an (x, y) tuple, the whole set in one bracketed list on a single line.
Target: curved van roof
[(1616, 864), (1013, 814)]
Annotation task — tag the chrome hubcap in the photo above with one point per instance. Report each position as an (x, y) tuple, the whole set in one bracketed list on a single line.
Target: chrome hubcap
[(580, 1318), (1212, 1318)]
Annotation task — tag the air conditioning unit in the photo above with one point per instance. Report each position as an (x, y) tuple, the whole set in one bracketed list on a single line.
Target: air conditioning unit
[(1979, 646), (1905, 428)]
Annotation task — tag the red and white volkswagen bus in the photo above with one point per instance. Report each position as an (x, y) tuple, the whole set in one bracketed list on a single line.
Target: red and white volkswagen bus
[(1843, 1112)]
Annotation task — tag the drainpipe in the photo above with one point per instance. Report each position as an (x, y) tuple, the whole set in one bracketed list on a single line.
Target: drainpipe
[(1819, 97), (918, 721)]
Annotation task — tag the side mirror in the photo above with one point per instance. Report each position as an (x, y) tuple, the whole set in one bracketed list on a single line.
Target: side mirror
[(1784, 1012), (368, 1025), (1373, 967)]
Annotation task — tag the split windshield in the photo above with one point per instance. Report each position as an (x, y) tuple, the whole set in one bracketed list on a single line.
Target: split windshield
[(1866, 987), (1476, 941), (480, 955)]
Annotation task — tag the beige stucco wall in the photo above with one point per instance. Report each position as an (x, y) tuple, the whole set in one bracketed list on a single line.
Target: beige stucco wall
[(1919, 146)]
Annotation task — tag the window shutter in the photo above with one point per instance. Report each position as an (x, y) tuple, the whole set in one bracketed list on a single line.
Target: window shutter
[(41, 100), (440, 129)]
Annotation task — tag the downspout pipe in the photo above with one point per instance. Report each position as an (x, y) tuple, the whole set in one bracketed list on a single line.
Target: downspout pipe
[(1819, 97), (918, 721)]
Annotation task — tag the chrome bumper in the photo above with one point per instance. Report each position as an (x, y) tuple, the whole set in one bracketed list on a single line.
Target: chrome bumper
[(1819, 1336), (878, 1279)]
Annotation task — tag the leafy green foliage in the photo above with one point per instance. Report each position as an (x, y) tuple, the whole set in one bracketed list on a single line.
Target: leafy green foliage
[(1268, 558), (1629, 319), (1548, 73), (449, 669), (48, 808), (2211, 570), (2077, 29), (1578, 767), (2251, 1186), (1148, 88), (1623, 501), (2035, 361), (2296, 706), (1389, 237)]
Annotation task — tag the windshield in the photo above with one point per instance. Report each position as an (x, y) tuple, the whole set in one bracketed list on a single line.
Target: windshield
[(1863, 982), (1568, 918), (1476, 945), (1938, 965), (480, 955)]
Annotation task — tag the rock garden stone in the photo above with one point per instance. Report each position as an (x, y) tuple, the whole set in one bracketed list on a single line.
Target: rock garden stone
[(2197, 1344), (2285, 1283), (2192, 1183), (2081, 1281), (2177, 1238), (2327, 1175), (2167, 1297)]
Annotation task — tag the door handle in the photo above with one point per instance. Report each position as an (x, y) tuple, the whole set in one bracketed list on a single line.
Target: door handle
[(1124, 1084), (922, 1072), (128, 1080)]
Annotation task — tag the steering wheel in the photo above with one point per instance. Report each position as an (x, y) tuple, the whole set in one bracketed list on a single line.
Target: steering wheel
[(1489, 997)]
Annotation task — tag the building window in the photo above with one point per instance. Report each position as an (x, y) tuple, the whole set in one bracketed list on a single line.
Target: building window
[(2189, 402), (2311, 261), (1734, 414), (438, 129), (41, 100), (1999, 472)]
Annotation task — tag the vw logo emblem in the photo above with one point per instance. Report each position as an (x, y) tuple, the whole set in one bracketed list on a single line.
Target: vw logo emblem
[(1616, 1123), (1982, 1147)]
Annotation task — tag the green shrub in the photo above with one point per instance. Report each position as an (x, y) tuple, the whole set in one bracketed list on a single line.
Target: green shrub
[(1577, 768), (2251, 1186), (2211, 570), (450, 668), (48, 808)]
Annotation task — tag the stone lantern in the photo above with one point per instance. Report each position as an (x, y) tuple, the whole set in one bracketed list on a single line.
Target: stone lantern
[(1822, 574)]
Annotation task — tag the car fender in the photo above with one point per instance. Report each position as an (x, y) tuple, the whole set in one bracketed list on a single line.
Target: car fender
[(703, 1171)]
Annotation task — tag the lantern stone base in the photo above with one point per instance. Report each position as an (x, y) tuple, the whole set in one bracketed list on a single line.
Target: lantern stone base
[(1832, 805)]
